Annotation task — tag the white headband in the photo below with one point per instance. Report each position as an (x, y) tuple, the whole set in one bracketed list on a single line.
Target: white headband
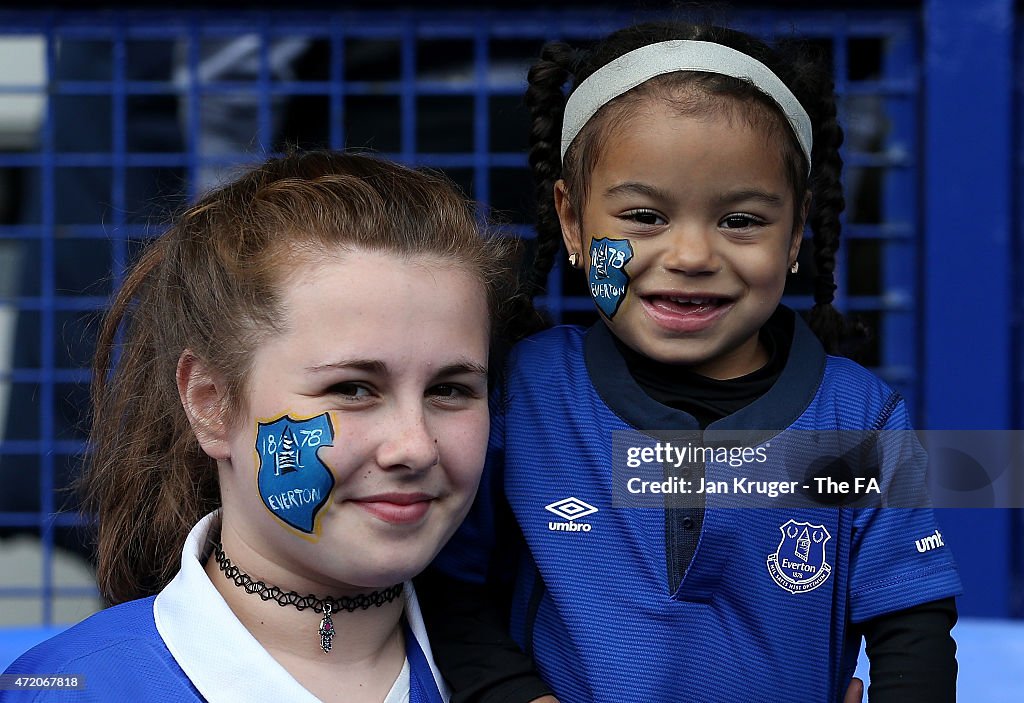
[(641, 65)]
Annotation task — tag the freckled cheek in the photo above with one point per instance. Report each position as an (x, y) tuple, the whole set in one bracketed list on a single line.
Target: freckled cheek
[(463, 451), (340, 458)]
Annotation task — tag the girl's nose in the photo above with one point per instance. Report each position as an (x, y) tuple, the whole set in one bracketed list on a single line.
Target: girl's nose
[(690, 251)]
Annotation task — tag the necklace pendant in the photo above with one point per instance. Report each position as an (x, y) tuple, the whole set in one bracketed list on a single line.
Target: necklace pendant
[(326, 629)]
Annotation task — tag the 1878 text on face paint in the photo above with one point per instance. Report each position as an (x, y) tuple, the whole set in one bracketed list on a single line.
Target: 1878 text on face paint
[(293, 482), (608, 278)]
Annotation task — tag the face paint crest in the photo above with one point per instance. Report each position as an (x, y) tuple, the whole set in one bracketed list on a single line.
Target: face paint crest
[(607, 277), (293, 482)]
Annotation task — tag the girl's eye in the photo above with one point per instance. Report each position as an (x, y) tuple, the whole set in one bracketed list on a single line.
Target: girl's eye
[(740, 221), (646, 217)]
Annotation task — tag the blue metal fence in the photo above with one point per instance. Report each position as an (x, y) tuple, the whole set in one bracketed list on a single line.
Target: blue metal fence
[(138, 110)]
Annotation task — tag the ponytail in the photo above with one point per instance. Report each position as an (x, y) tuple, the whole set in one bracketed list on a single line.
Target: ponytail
[(546, 102), (146, 475), (837, 334)]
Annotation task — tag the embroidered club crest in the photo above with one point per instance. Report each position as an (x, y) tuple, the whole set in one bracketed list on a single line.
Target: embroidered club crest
[(799, 565), (293, 483), (608, 278)]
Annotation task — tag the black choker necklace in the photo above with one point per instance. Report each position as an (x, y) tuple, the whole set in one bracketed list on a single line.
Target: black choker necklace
[(363, 601)]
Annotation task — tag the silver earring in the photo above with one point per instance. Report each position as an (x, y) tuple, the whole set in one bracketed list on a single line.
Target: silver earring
[(574, 259), (795, 267)]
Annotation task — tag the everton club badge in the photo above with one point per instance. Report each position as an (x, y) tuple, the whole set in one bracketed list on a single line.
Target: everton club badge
[(799, 565)]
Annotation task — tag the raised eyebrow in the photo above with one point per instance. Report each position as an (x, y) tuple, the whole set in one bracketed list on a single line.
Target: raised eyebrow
[(636, 188), (368, 365), (761, 196)]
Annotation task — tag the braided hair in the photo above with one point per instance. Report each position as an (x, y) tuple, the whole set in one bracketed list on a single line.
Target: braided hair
[(560, 63)]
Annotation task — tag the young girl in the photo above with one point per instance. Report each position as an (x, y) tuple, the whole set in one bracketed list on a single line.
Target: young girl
[(679, 173), (304, 363)]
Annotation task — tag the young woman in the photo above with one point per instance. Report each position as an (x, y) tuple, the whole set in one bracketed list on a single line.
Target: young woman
[(290, 420)]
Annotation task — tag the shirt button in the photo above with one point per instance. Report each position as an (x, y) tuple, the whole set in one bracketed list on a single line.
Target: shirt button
[(688, 523)]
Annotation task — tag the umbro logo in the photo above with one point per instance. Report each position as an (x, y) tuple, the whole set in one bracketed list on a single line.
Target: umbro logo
[(570, 509), (932, 541)]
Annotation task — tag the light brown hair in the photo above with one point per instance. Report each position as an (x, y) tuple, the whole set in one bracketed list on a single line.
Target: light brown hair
[(211, 284)]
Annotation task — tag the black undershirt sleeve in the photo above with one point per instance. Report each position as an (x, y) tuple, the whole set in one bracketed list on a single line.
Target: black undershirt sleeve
[(912, 654), (471, 643)]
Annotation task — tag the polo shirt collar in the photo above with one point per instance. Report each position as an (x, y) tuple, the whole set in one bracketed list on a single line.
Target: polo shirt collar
[(218, 654)]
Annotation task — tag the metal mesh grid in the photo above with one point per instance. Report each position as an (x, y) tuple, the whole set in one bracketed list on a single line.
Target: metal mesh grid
[(127, 103)]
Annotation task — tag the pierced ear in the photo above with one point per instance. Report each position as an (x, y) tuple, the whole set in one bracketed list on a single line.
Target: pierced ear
[(798, 227), (202, 396), (569, 219)]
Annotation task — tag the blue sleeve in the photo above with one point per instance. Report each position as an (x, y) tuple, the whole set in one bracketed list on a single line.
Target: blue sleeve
[(107, 671), (898, 558), (49, 659), (118, 653)]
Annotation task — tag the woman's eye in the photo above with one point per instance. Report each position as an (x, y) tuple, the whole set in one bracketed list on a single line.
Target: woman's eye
[(353, 391), (646, 217), (447, 390), (452, 393), (740, 221)]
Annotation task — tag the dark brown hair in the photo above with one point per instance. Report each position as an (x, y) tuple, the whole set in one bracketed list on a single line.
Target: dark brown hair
[(210, 284)]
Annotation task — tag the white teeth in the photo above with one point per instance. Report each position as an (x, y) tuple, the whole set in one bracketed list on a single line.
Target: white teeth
[(692, 301)]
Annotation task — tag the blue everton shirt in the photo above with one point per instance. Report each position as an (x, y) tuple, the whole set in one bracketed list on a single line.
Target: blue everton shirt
[(615, 603), (185, 644)]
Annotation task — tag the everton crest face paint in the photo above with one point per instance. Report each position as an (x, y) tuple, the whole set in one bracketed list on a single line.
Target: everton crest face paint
[(293, 482), (608, 278)]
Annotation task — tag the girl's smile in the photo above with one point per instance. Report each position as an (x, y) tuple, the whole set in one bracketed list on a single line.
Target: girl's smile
[(684, 313)]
